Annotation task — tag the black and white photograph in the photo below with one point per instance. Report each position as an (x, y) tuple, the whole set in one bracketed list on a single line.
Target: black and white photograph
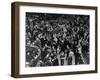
[(53, 39), (57, 39)]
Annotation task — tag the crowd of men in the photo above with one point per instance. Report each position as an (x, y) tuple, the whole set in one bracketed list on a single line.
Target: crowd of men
[(56, 39)]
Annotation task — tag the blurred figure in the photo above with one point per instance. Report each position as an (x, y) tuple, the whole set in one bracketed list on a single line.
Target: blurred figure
[(62, 58), (71, 58)]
